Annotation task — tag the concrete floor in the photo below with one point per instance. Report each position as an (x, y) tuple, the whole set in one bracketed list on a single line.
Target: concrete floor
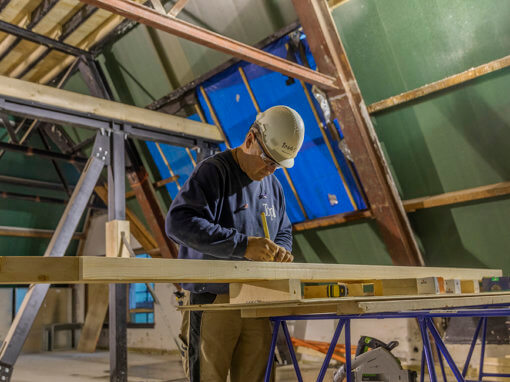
[(71, 366)]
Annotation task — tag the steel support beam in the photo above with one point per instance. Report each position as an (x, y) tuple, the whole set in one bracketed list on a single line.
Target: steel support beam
[(349, 108), (118, 292), (137, 175), (60, 240), (26, 34), (93, 114), (31, 151), (30, 183), (41, 199), (10, 129), (188, 31)]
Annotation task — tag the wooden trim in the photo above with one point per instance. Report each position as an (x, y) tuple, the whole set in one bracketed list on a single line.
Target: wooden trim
[(332, 220), (177, 8), (91, 269), (336, 3), (191, 32), (156, 4), (355, 305), (454, 197), (34, 232), (156, 185), (411, 205), (11, 87), (445, 83)]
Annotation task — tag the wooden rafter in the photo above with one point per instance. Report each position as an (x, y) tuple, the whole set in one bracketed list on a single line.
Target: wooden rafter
[(348, 107), (445, 83), (177, 8), (152, 18)]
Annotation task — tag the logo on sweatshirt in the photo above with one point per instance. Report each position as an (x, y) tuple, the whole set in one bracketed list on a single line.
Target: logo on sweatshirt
[(270, 211)]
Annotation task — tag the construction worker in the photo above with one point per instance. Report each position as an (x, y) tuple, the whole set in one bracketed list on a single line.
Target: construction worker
[(217, 216)]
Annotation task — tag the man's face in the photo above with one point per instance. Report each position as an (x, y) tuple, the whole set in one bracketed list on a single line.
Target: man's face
[(257, 165)]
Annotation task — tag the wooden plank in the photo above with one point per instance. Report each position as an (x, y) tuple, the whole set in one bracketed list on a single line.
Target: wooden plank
[(114, 245), (21, 269), (278, 290), (448, 198), (447, 303), (290, 310), (411, 205), (332, 220), (34, 269), (174, 270), (156, 4), (442, 84), (33, 232), (359, 305), (177, 8), (348, 107), (27, 91), (333, 302), (157, 184), (138, 229), (96, 313)]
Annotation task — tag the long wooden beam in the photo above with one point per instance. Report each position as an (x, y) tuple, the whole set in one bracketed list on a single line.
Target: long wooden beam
[(67, 100), (188, 31), (348, 107), (436, 86), (454, 197), (33, 232), (90, 269), (332, 220), (411, 205)]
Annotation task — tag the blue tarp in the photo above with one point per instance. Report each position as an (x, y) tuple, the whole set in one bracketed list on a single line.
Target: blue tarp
[(314, 175)]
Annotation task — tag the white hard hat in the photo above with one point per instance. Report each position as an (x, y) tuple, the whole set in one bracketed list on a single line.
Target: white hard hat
[(282, 131)]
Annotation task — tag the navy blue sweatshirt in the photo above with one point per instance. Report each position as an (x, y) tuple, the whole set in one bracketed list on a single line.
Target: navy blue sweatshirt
[(216, 210)]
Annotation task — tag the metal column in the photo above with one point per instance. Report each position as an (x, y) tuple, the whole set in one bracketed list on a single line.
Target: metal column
[(33, 300), (117, 325)]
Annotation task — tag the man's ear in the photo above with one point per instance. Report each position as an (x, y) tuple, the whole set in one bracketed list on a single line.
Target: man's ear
[(250, 140)]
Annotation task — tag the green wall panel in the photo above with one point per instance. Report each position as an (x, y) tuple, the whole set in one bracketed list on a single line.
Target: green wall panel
[(353, 243), (452, 140)]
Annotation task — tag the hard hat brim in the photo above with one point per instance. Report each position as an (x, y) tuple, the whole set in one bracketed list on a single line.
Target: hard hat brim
[(287, 163)]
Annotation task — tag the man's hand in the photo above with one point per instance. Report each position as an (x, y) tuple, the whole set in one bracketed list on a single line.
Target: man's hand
[(262, 249), (283, 256)]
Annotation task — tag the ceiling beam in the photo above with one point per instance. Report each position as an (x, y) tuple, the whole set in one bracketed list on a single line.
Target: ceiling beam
[(83, 110), (3, 4), (76, 20), (177, 8), (35, 17), (33, 232), (30, 151), (348, 107), (40, 39), (201, 36)]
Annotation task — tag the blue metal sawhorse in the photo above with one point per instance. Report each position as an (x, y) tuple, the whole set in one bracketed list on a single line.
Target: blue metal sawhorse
[(426, 325)]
